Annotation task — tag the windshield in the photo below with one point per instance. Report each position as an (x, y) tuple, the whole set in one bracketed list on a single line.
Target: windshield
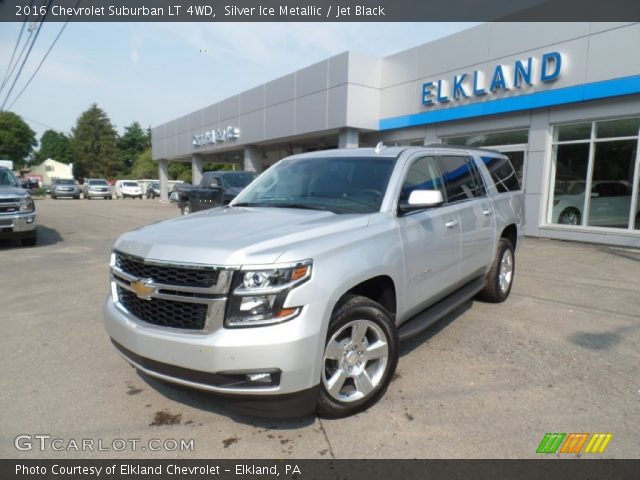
[(8, 179), (98, 182), (130, 184), (66, 182), (241, 179), (339, 185)]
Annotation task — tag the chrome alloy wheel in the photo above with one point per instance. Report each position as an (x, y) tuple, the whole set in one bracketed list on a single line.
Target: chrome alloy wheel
[(355, 360), (506, 271)]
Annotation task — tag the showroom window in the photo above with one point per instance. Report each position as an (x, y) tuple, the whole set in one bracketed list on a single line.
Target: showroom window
[(513, 143), (595, 175)]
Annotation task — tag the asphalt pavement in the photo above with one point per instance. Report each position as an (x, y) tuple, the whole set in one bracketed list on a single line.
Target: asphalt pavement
[(561, 355)]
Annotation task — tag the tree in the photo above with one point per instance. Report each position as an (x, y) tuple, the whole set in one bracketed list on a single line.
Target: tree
[(55, 145), (16, 138), (95, 145), (134, 142), (180, 171), (144, 166)]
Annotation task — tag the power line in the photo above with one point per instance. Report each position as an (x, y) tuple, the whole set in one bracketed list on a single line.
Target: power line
[(27, 56), (43, 58), (39, 123), (13, 54), (12, 68)]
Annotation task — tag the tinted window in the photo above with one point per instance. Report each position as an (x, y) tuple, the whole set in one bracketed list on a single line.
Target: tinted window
[(66, 182), (240, 179), (461, 178), (502, 173), (7, 178), (423, 175), (130, 184), (98, 182), (340, 185)]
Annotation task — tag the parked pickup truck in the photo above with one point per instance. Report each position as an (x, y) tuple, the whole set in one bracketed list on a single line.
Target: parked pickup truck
[(300, 290), (215, 189), (17, 210)]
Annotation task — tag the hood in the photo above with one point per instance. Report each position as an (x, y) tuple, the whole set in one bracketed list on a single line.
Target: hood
[(235, 235), (12, 192)]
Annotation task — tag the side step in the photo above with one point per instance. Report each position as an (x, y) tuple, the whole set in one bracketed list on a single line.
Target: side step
[(437, 311)]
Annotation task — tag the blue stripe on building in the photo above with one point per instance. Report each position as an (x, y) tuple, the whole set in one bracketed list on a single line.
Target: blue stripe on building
[(549, 98)]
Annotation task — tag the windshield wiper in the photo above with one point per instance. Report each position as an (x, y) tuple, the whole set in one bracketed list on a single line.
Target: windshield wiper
[(248, 204), (304, 206)]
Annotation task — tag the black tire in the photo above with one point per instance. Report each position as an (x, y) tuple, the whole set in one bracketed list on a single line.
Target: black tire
[(185, 208), (570, 216), (379, 371), (53, 197), (77, 198), (30, 241), (493, 292)]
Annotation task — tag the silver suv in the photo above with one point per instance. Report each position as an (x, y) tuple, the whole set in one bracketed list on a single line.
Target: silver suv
[(97, 188), (301, 289), (17, 210)]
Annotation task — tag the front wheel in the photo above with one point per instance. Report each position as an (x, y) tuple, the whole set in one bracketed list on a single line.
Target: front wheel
[(570, 216), (500, 277), (360, 357), (185, 209)]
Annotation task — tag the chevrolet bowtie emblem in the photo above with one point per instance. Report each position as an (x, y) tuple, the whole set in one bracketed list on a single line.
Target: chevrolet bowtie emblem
[(143, 288)]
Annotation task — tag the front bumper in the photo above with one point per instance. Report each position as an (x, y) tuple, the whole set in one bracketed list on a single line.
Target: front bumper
[(18, 226), (65, 193), (292, 349), (96, 194)]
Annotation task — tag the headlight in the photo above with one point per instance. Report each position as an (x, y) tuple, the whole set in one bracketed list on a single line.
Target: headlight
[(257, 295), (26, 204)]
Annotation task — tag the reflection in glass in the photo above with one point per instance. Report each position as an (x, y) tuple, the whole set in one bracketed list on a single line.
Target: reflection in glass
[(571, 163), (627, 127), (611, 184), (513, 137), (578, 131)]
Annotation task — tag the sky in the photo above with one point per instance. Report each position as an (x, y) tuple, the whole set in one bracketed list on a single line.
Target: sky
[(155, 72)]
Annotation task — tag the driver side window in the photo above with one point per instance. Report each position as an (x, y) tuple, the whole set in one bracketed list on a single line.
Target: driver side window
[(422, 175)]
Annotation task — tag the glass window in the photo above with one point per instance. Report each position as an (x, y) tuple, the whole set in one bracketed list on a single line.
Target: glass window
[(460, 181), (423, 175), (594, 179), (578, 131), (627, 127), (340, 185), (512, 137), (571, 165), (611, 184), (502, 172)]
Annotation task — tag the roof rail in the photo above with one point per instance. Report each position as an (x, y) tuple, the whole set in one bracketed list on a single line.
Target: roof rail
[(380, 146), (462, 147)]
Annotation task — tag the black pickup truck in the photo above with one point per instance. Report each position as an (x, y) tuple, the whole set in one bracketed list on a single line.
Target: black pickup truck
[(215, 189)]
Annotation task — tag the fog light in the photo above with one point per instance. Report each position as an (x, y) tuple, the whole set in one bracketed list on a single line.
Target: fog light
[(259, 378), (30, 220)]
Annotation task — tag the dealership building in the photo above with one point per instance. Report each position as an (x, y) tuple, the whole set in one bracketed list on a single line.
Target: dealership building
[(562, 100)]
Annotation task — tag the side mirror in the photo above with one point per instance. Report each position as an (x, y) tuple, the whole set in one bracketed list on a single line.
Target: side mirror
[(421, 199)]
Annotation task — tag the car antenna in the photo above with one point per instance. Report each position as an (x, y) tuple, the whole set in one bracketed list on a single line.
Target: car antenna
[(379, 147)]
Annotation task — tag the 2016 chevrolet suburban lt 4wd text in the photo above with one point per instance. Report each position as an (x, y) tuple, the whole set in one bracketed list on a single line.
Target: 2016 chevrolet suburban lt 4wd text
[(300, 290)]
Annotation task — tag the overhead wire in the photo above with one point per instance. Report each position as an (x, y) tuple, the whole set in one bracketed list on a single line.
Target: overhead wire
[(15, 80)]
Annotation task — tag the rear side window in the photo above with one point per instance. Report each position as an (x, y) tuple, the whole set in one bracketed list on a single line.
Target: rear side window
[(502, 173), (461, 178)]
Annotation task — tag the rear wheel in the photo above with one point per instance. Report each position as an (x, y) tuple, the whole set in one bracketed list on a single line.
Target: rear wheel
[(570, 216), (360, 357), (500, 277)]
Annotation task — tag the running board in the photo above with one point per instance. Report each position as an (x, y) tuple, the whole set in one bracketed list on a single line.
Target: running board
[(437, 311)]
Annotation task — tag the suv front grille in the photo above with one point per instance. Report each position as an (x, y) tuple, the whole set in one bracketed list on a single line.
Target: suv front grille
[(168, 274), (165, 313)]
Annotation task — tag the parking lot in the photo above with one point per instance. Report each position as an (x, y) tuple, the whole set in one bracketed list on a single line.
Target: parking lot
[(561, 355)]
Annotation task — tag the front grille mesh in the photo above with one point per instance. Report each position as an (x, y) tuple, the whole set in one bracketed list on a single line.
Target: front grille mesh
[(167, 274), (165, 313)]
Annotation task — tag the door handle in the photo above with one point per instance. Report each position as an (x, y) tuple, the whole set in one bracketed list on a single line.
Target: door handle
[(451, 223), (486, 212)]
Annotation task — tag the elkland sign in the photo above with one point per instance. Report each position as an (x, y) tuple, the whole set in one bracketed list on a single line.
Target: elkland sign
[(217, 135), (522, 74)]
